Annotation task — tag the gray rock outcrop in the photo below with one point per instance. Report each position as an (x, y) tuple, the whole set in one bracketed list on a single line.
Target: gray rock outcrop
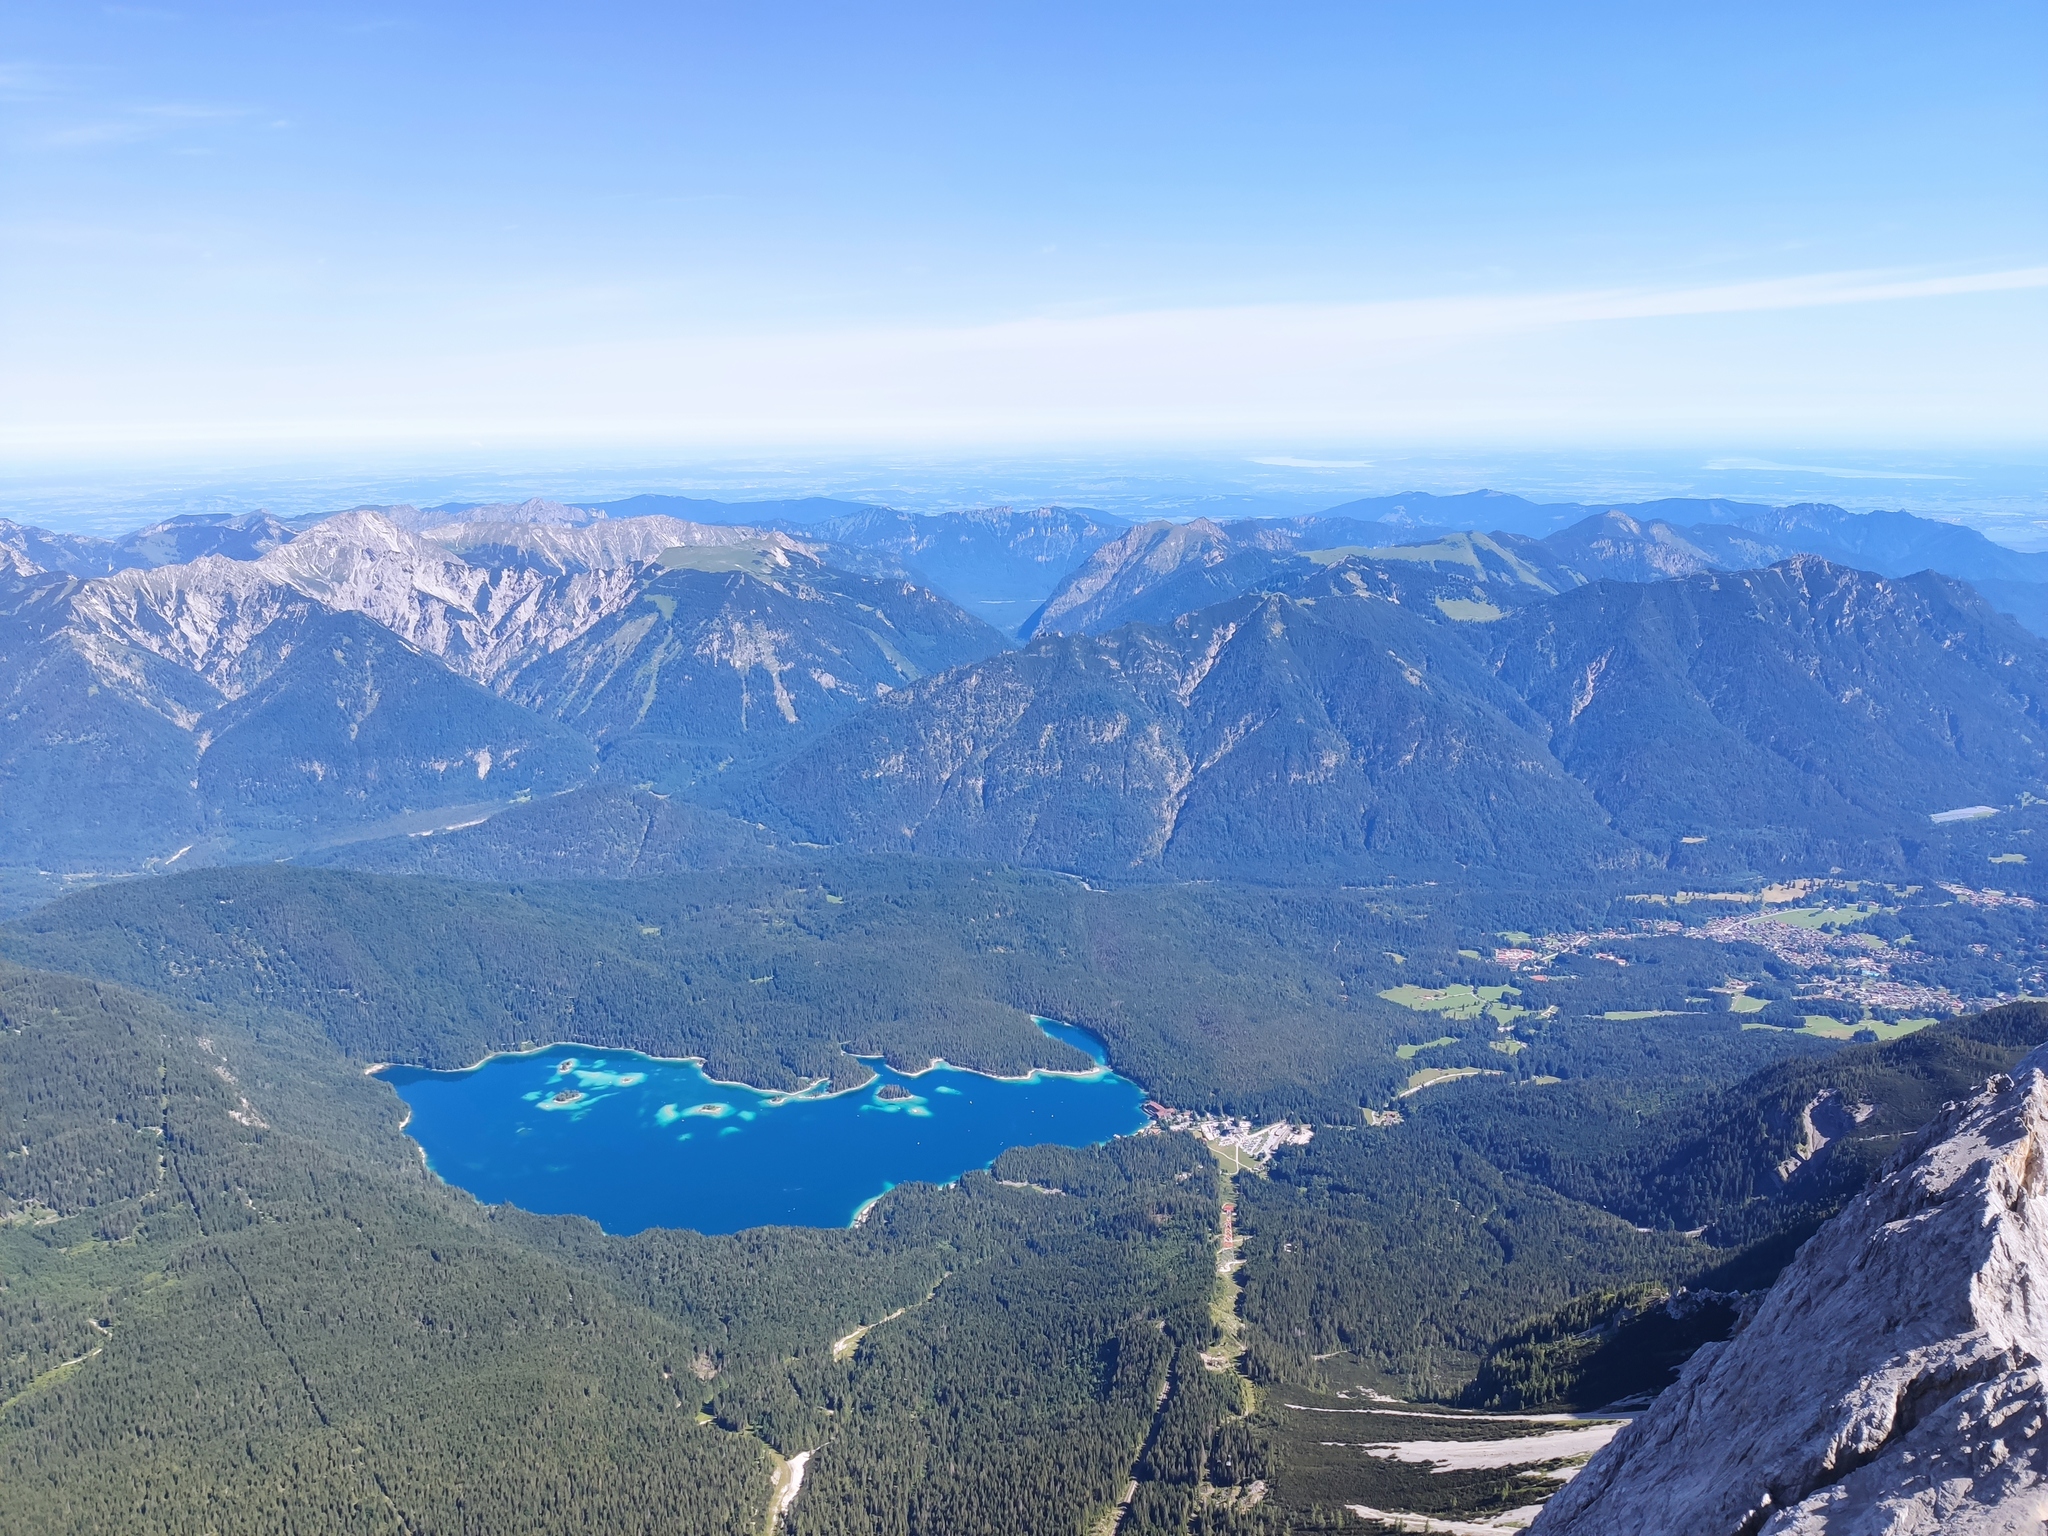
[(1891, 1382)]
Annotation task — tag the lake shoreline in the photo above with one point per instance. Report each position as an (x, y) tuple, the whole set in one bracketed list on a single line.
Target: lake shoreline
[(1101, 1068), (490, 1131)]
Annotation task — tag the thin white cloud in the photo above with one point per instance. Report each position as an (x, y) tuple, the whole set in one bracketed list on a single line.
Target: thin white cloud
[(93, 135), (21, 80), (1830, 471), (1941, 358), (1477, 315), (135, 124), (1284, 463)]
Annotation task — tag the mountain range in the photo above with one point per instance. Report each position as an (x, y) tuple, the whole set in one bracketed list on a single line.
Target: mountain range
[(1292, 696), (357, 673), (1159, 569), (1542, 931), (1339, 728)]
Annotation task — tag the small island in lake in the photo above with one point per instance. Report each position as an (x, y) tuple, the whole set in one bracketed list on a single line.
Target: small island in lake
[(635, 1141)]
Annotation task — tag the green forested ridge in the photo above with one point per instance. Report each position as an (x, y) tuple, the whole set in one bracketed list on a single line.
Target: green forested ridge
[(1262, 1002), (1254, 1001), (1686, 1155), (269, 1317), (302, 1330), (1599, 1349), (1412, 1253)]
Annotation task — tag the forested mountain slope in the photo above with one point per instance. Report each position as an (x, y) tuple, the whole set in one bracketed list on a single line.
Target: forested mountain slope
[(1807, 709), (605, 831), (352, 724), (1357, 1244), (114, 754), (1890, 1382), (1155, 573), (1549, 903), (1404, 1252), (1158, 571), (1806, 712), (234, 1301), (97, 755), (1263, 733), (1260, 1002)]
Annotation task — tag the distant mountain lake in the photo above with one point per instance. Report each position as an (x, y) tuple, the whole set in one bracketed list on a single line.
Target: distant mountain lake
[(636, 1141)]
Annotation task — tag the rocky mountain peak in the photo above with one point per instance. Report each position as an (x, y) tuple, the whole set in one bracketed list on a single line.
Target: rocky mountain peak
[(1891, 1382), (206, 614)]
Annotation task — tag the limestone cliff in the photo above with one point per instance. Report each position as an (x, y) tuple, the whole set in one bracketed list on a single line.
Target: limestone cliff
[(1891, 1382)]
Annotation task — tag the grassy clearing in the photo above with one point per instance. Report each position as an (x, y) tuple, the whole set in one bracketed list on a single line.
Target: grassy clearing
[(1234, 1161), (1321, 1461), (1828, 917), (756, 558), (1459, 1002), (1429, 1077), (1451, 551), (1742, 1002), (1821, 1027), (1408, 1052), (1466, 610), (2008, 858), (1625, 1014), (1223, 1301)]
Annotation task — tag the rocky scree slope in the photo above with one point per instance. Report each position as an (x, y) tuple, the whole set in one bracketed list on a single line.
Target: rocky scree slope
[(1891, 1381), (359, 671), (484, 622), (27, 551), (705, 669)]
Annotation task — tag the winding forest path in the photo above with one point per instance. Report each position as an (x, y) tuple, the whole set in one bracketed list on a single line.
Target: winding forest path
[(848, 1343)]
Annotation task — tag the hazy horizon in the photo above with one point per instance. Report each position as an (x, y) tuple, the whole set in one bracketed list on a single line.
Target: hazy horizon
[(2000, 496)]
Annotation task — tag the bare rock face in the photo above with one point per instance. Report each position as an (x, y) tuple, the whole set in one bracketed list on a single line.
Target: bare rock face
[(1892, 1381), (484, 623)]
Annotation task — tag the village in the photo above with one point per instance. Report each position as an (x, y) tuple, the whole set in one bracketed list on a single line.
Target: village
[(1246, 1142)]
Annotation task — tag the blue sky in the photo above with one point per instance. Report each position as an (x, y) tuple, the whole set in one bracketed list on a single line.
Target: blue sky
[(640, 228)]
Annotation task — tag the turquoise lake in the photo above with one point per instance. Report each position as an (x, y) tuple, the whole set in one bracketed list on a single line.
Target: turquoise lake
[(636, 1141)]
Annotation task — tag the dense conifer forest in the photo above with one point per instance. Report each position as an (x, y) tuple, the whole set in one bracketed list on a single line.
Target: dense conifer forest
[(232, 1299)]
